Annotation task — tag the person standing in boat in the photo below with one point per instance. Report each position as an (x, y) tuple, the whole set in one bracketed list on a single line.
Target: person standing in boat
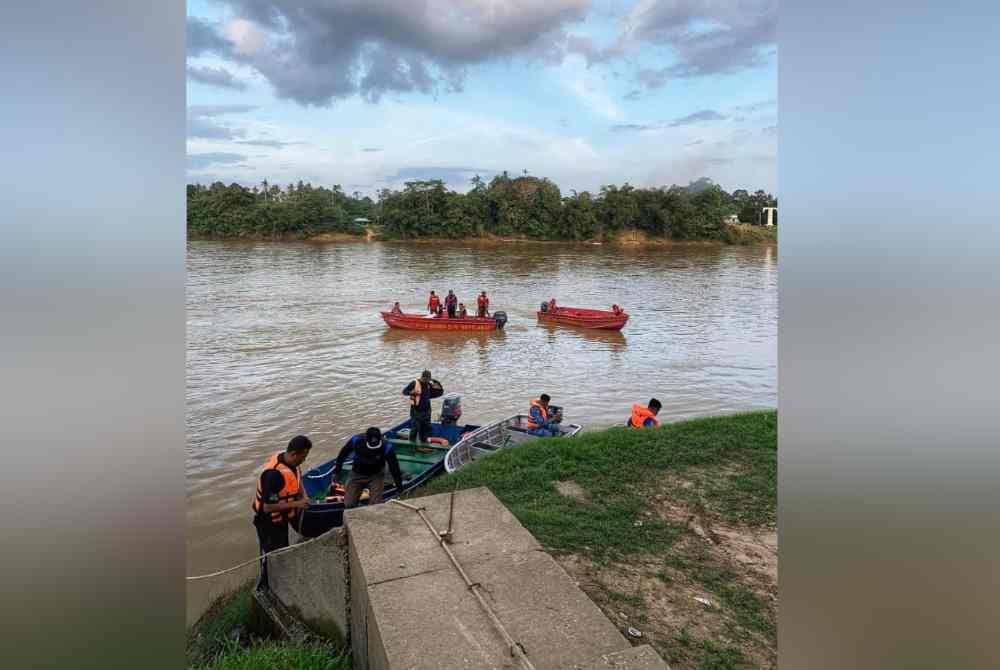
[(434, 303), (451, 304), (396, 309), (552, 305), (371, 455), (279, 500), (421, 391), (541, 421), (645, 417), (482, 305)]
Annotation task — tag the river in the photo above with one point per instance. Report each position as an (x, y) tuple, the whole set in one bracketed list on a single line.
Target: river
[(285, 338)]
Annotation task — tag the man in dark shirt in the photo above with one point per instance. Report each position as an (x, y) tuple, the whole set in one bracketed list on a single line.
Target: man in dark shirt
[(451, 304), (421, 391), (371, 455), (279, 500)]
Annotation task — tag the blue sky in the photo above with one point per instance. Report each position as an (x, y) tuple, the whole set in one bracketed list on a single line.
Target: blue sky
[(371, 94)]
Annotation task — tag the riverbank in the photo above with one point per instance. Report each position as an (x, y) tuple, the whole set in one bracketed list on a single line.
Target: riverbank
[(739, 234), (671, 531)]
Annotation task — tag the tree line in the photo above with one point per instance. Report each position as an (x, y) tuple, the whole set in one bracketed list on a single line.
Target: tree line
[(524, 206)]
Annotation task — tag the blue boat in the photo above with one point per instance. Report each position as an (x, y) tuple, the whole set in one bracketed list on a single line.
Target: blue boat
[(418, 463)]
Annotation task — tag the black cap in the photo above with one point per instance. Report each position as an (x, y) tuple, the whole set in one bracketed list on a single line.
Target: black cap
[(426, 374), (654, 404), (544, 397), (299, 443), (373, 436)]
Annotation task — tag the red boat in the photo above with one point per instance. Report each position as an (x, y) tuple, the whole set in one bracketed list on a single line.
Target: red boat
[(584, 318), (423, 322)]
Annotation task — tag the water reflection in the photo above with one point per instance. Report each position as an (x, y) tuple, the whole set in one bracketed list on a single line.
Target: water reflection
[(614, 339), (446, 339)]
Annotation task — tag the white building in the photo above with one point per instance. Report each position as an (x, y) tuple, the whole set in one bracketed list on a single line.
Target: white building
[(768, 215)]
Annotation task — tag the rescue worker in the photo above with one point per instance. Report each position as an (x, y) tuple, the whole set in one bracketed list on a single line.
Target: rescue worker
[(396, 309), (279, 500), (541, 421), (451, 304), (371, 455), (552, 305), (433, 303), (462, 312), (420, 392), (645, 417), (482, 305)]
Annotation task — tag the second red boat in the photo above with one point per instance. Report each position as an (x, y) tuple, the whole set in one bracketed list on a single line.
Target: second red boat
[(613, 319)]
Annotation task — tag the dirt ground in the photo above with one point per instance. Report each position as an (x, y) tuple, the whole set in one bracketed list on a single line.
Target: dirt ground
[(710, 602)]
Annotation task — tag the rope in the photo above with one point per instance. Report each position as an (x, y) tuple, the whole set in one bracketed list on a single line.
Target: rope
[(273, 552), (512, 645)]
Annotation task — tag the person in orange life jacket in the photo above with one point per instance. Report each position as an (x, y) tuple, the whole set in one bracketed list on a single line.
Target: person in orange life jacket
[(645, 417), (433, 303), (421, 391), (462, 312), (371, 455), (482, 305), (541, 422), (279, 500), (451, 304)]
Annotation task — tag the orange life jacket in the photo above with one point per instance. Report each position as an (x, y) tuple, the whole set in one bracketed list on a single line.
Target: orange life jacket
[(483, 301), (434, 303), (292, 490), (545, 413), (639, 415)]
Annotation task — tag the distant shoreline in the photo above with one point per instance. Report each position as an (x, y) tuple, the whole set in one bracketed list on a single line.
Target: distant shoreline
[(747, 235)]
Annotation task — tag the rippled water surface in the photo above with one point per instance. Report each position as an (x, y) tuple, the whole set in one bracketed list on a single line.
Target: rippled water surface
[(285, 339)]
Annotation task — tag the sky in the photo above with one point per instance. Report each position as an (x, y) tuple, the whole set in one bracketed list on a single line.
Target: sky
[(370, 94)]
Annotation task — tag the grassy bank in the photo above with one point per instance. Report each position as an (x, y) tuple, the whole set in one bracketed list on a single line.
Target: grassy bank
[(224, 639), (648, 521)]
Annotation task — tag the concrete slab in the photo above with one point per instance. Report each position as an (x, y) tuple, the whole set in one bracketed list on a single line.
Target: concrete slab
[(543, 609), (391, 542), (637, 658), (312, 582), (411, 609)]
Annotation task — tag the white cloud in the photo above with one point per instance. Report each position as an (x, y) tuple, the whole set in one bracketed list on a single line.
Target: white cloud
[(588, 88), (246, 37)]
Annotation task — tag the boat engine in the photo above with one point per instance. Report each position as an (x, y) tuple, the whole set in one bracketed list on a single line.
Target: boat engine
[(451, 409), (545, 306), (501, 318)]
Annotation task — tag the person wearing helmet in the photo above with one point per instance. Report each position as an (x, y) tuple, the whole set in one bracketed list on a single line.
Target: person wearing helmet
[(371, 455)]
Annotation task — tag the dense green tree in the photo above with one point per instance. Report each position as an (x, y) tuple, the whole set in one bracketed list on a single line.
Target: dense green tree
[(524, 206)]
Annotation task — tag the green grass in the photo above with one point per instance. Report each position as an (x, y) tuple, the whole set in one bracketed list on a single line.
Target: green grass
[(729, 466), (274, 656), (210, 636), (210, 645), (703, 654), (619, 468)]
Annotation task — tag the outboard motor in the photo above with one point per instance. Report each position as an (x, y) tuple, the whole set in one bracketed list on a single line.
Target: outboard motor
[(501, 318), (451, 409), (545, 306)]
